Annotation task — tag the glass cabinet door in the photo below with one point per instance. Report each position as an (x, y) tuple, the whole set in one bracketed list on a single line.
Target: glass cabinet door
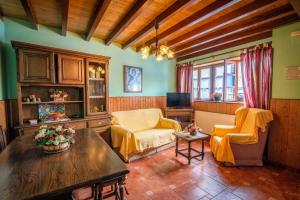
[(96, 87)]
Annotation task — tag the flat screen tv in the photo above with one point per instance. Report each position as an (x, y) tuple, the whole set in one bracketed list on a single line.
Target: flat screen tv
[(178, 100)]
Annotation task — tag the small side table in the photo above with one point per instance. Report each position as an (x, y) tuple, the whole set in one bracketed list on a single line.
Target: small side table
[(189, 139)]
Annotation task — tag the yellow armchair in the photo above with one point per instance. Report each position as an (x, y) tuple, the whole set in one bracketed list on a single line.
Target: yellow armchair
[(136, 131), (221, 130), (242, 144)]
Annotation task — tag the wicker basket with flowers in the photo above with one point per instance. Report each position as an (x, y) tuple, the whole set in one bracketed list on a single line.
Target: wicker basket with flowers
[(54, 139)]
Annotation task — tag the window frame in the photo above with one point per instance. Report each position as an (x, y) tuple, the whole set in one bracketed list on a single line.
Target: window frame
[(212, 68), (235, 81)]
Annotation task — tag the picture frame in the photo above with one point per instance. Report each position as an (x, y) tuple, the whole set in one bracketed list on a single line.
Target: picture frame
[(132, 79)]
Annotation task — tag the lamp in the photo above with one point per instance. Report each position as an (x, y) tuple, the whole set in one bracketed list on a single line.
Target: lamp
[(160, 50)]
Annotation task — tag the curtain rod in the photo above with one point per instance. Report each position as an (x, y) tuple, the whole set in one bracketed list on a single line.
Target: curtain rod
[(223, 53)]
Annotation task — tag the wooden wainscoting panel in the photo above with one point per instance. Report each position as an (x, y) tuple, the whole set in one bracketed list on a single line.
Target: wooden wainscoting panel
[(217, 107), (136, 102), (3, 120), (284, 138)]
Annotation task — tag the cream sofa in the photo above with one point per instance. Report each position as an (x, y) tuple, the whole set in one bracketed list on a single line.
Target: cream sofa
[(137, 131)]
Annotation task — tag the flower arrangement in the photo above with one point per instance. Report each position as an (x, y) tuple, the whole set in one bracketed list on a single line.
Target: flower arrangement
[(192, 129), (57, 95), (54, 138), (216, 96)]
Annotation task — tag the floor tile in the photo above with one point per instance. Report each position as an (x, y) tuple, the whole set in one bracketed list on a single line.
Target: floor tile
[(210, 185), (225, 195), (163, 176), (190, 191)]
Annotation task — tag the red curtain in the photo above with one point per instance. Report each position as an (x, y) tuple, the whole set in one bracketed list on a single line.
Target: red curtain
[(256, 72), (184, 77)]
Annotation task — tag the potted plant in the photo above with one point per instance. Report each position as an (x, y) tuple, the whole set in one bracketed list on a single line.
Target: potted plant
[(216, 96), (54, 139), (192, 129), (58, 95)]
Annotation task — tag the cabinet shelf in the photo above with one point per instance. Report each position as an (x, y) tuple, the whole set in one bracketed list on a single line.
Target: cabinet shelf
[(96, 79), (96, 97), (50, 102), (51, 85)]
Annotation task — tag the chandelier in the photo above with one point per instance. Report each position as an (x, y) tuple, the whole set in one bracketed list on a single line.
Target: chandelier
[(160, 50)]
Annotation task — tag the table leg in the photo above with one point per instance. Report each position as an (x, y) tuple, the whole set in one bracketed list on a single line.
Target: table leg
[(98, 190), (189, 152), (121, 189), (176, 149), (202, 149)]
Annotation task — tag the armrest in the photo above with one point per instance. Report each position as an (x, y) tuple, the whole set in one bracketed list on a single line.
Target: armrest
[(118, 129), (169, 123), (118, 133), (240, 138), (221, 130)]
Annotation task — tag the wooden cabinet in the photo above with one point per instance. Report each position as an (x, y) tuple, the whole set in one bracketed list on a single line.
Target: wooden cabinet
[(99, 122), (184, 116), (104, 132), (97, 86), (29, 130), (41, 69), (70, 69), (77, 125), (35, 66), (100, 126)]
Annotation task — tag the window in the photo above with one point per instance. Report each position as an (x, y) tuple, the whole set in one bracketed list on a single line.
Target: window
[(240, 92), (217, 81), (195, 84), (230, 82), (205, 83)]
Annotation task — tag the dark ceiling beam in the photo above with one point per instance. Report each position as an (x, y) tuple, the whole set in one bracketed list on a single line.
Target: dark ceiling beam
[(29, 12), (245, 33), (195, 18), (296, 5), (64, 17), (129, 17), (97, 16), (227, 45), (161, 18), (223, 20), (254, 21)]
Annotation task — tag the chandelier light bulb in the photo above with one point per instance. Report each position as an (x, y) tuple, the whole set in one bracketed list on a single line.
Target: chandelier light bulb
[(145, 52), (163, 49), (170, 54), (144, 56), (159, 57)]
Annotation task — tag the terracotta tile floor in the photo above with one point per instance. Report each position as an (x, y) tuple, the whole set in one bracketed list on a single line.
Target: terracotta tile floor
[(163, 176)]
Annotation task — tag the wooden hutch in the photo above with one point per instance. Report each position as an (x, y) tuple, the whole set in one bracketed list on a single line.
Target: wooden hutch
[(83, 77)]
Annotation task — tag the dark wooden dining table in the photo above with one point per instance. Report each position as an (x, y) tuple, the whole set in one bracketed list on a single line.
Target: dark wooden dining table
[(28, 173)]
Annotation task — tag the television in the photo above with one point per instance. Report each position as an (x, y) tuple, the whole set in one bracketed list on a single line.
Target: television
[(178, 100)]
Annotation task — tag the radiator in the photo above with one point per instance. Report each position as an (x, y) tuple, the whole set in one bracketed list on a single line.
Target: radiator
[(207, 120)]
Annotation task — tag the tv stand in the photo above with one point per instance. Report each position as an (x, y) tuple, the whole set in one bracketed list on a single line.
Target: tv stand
[(185, 116)]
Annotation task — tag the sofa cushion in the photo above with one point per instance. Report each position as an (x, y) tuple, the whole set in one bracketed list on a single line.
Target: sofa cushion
[(137, 120), (153, 138)]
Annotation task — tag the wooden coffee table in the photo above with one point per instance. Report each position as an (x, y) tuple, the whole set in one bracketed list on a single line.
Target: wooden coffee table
[(189, 139)]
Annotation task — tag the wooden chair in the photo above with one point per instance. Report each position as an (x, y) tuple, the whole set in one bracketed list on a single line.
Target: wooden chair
[(3, 141), (110, 188)]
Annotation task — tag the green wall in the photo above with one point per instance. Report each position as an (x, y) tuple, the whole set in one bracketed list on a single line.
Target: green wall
[(286, 53), (158, 77), (2, 82)]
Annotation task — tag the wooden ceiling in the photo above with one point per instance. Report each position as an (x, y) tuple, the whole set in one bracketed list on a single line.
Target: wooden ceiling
[(190, 27)]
